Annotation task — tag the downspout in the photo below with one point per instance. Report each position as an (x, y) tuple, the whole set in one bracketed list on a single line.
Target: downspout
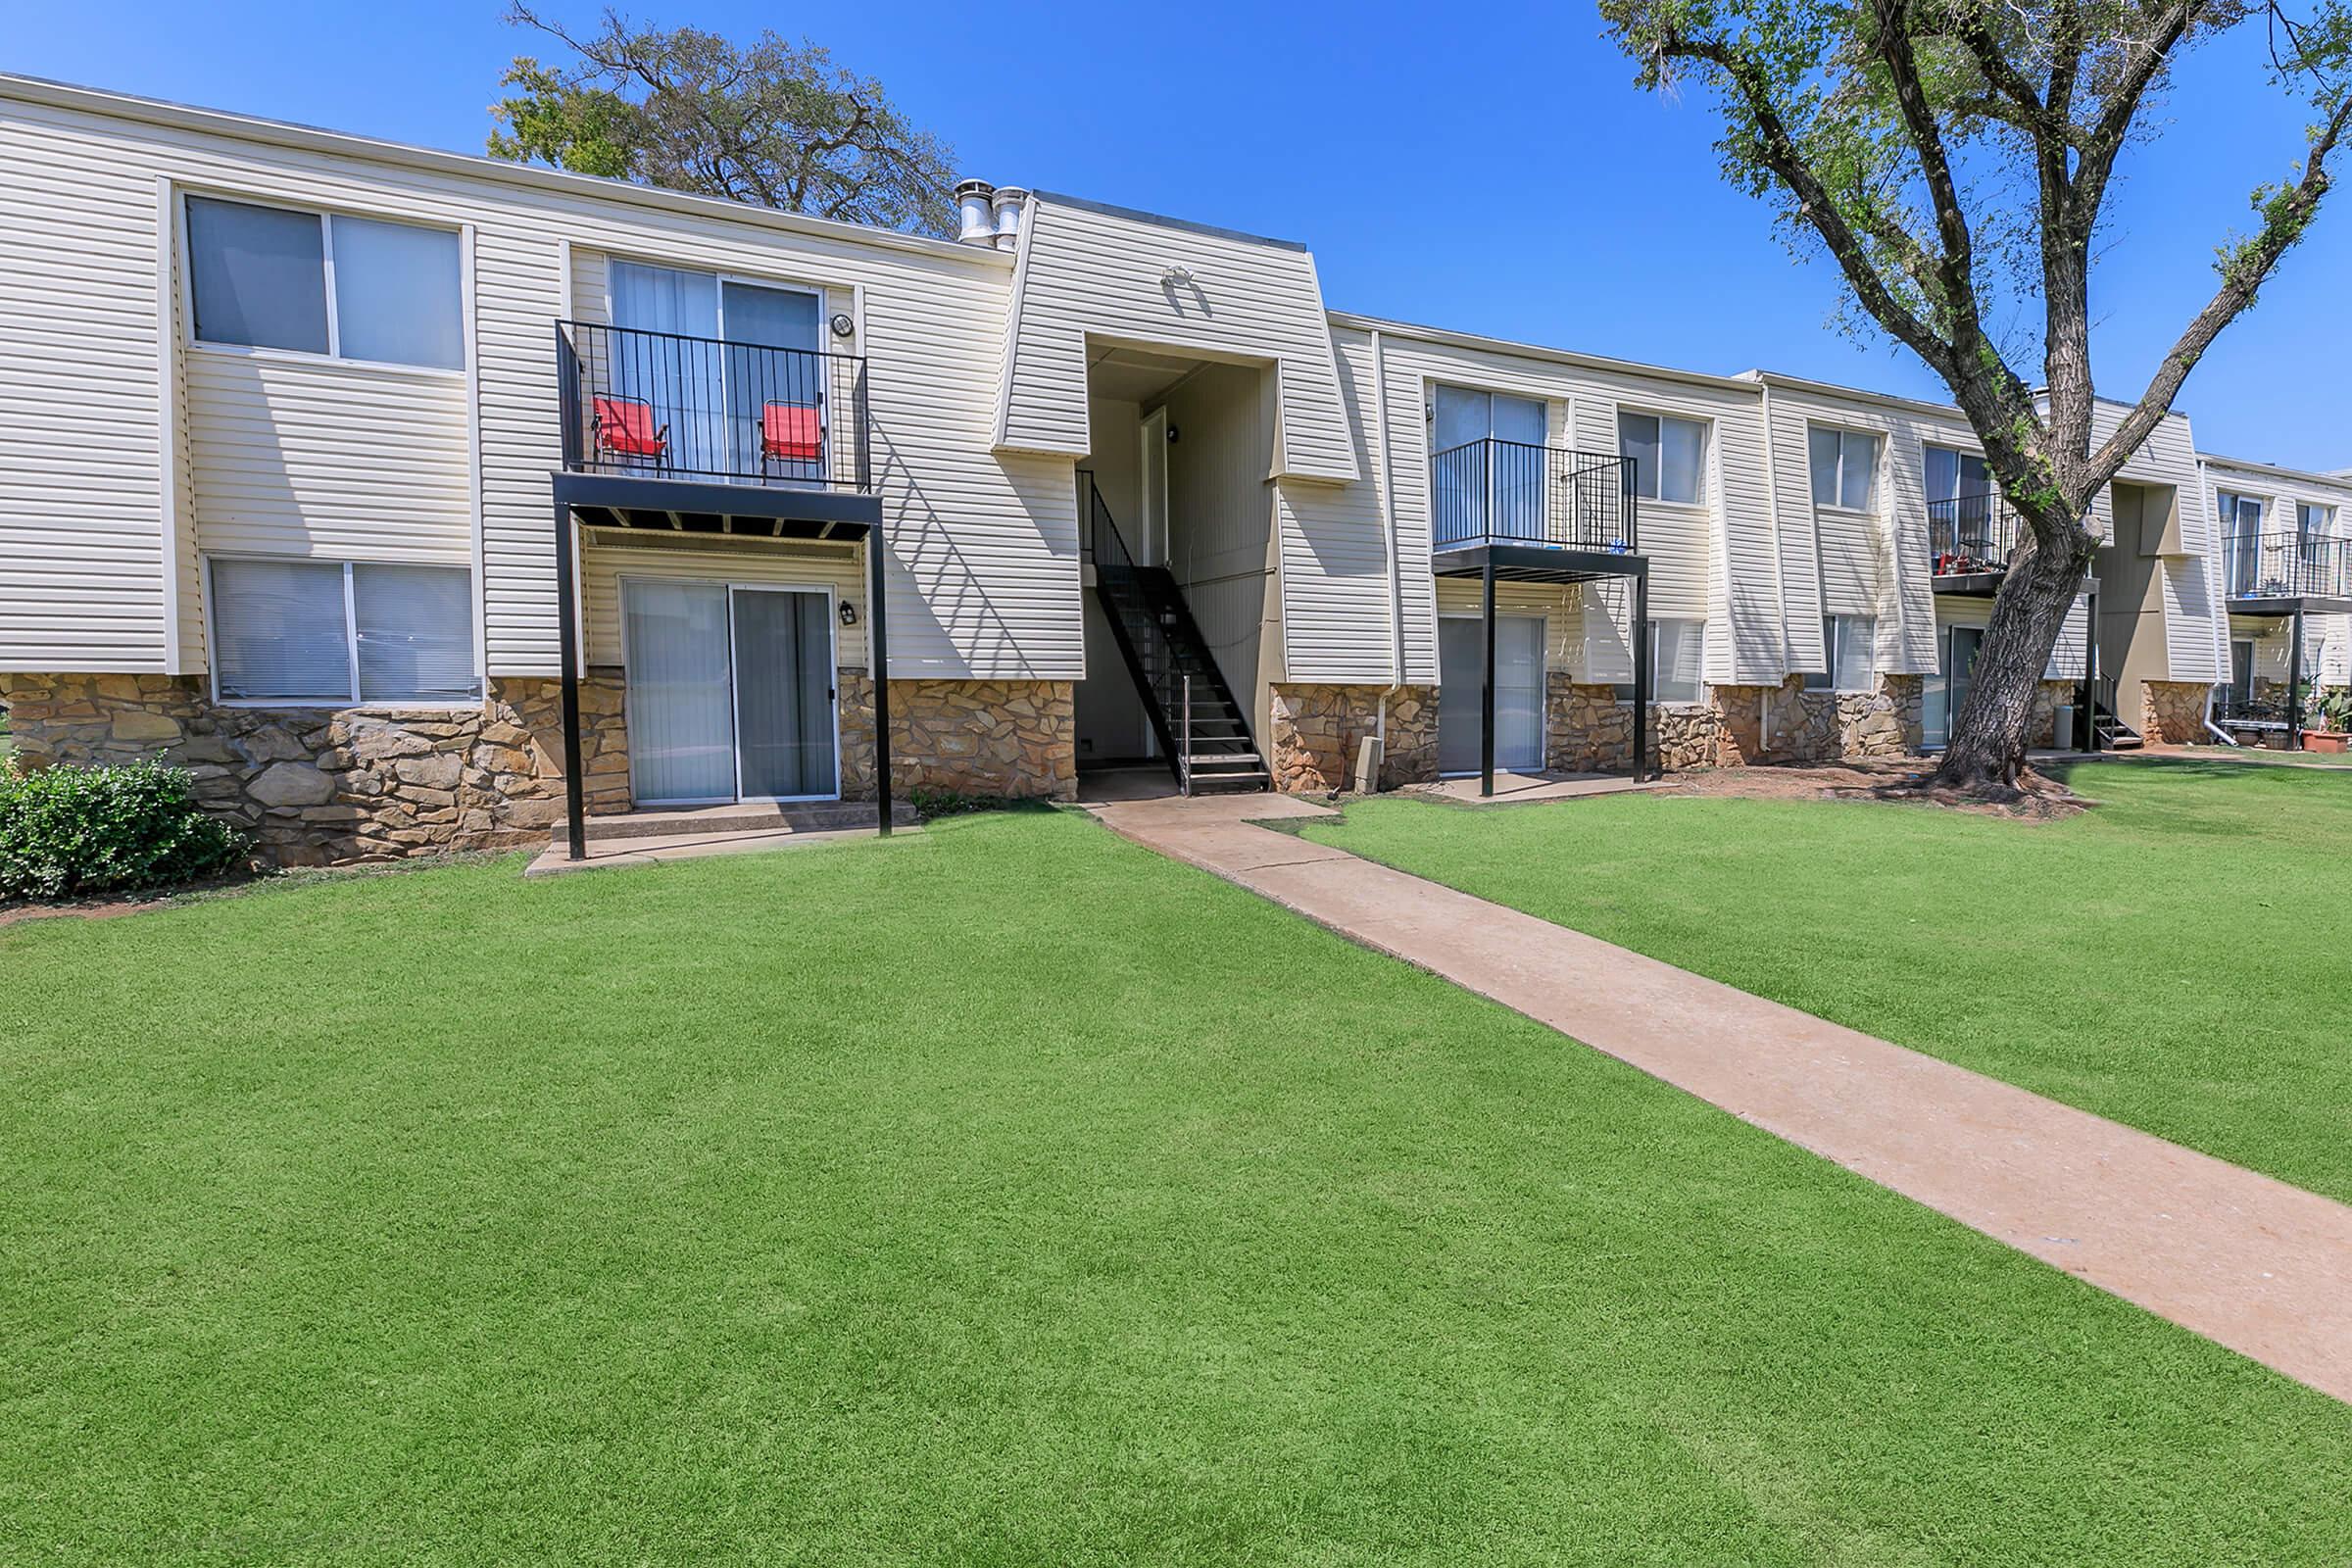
[(1388, 517)]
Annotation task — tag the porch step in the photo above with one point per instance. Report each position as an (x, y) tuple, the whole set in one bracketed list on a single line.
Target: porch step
[(1220, 758), (810, 816)]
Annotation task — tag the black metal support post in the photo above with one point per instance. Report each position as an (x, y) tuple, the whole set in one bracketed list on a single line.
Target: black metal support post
[(2294, 684), (877, 656), (1642, 676), (567, 633), (1486, 684)]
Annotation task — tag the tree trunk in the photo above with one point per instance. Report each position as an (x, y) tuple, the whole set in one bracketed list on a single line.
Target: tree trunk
[(1989, 738)]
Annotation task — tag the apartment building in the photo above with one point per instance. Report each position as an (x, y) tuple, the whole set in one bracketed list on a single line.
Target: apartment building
[(415, 499), (2285, 579)]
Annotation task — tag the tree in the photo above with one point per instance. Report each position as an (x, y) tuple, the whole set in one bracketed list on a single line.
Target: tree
[(1955, 159), (774, 124)]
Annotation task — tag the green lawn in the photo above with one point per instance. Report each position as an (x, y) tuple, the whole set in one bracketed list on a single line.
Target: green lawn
[(2180, 958), (1003, 1196)]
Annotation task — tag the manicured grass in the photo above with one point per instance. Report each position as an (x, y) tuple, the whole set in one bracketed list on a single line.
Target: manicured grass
[(2180, 958), (1003, 1195)]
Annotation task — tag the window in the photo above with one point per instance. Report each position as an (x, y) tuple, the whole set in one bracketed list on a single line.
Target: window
[(328, 632), (358, 288), (1845, 467), (1953, 476), (1849, 643), (1678, 660), (2314, 522), (1669, 456), (1487, 464), (2241, 542)]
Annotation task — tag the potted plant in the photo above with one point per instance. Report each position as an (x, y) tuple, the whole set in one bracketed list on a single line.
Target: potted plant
[(2331, 710)]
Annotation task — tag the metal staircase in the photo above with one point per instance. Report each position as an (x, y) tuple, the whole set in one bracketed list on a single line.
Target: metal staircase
[(1202, 731), (2109, 733)]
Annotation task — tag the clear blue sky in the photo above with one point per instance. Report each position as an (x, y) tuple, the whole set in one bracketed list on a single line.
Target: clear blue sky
[(1476, 167)]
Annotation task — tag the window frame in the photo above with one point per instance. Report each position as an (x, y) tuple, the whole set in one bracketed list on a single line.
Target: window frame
[(1845, 433), (1833, 632), (1706, 454), (350, 639), (186, 278)]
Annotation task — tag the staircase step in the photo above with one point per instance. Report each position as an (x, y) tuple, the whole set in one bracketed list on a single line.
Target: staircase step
[(1220, 758), (809, 816)]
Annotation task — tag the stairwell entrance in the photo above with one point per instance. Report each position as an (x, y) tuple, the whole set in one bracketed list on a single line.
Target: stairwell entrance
[(1183, 627)]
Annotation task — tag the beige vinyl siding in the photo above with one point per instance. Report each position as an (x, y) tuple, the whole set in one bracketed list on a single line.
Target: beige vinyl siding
[(1087, 271), (297, 455), (1336, 597), (82, 559), (1221, 520), (1561, 605), (610, 558), (983, 569), (1582, 398)]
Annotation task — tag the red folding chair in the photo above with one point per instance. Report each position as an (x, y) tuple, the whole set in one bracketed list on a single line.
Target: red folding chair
[(624, 427), (791, 432)]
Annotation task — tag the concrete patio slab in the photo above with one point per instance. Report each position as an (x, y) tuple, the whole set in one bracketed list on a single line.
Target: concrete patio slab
[(654, 849), (1526, 789), (2251, 1262)]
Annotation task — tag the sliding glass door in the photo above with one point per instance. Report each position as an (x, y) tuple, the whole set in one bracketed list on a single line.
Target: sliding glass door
[(730, 693), (784, 744), (1494, 489), (728, 351), (681, 691)]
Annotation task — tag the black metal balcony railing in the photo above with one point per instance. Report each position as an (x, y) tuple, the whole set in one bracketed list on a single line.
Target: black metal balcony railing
[(1491, 491), (2286, 565), (2263, 707), (1970, 535), (664, 406)]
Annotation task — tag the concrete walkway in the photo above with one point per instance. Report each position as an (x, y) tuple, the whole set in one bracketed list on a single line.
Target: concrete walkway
[(2253, 1264)]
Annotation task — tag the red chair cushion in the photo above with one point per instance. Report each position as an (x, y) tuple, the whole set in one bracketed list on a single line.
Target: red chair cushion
[(791, 430), (626, 426)]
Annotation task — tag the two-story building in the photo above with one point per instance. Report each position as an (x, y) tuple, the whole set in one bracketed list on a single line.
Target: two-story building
[(400, 494)]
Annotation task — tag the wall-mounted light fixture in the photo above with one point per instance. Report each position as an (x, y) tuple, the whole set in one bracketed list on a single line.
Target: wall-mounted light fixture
[(843, 326), (1172, 435), (848, 613), (1176, 277)]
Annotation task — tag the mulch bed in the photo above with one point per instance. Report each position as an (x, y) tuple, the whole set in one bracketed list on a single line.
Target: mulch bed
[(1900, 781)]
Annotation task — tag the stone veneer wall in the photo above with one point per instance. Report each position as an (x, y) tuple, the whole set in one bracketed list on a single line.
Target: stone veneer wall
[(2048, 698), (1592, 731), (978, 737), (318, 786), (1588, 730), (1316, 732), (2173, 711)]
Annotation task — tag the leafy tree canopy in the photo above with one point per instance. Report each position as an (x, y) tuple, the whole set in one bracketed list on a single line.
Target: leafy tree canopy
[(1955, 159), (771, 122)]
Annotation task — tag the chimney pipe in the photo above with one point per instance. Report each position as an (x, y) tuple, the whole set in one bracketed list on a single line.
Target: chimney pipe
[(1009, 200), (973, 200)]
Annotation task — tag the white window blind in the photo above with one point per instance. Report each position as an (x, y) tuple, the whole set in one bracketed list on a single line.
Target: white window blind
[(279, 631), (311, 633), (397, 294), (416, 633)]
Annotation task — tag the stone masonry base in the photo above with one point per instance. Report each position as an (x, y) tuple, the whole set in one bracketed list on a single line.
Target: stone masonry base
[(1591, 730), (1316, 731), (321, 786), (2173, 711)]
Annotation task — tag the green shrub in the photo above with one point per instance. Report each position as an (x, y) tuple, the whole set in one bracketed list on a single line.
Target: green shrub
[(66, 832)]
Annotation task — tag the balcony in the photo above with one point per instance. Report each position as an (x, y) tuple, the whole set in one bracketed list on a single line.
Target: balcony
[(1970, 540), (1510, 493), (2283, 570), (700, 411)]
